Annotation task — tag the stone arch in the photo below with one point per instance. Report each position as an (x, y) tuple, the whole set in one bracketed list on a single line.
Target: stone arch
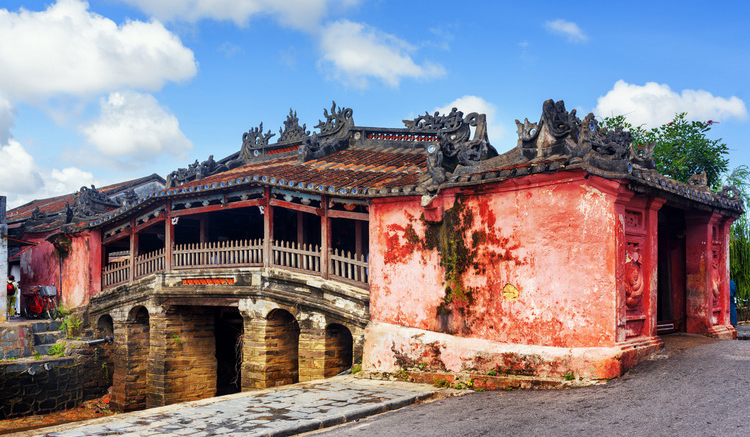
[(282, 348), (138, 314), (339, 345), (105, 326)]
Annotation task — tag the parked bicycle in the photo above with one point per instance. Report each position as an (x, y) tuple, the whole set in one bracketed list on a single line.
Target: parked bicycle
[(41, 301)]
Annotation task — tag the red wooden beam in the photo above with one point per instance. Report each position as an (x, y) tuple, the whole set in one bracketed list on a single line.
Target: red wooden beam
[(119, 236), (332, 213), (211, 208), (295, 206), (151, 222)]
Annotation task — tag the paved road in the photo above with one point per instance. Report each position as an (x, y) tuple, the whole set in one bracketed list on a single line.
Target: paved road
[(286, 411), (703, 390)]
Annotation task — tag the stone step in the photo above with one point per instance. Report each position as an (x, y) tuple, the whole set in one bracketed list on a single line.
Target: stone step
[(49, 337), (45, 326), (43, 349)]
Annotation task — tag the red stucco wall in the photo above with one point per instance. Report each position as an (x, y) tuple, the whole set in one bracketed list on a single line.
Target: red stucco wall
[(80, 277), (550, 237)]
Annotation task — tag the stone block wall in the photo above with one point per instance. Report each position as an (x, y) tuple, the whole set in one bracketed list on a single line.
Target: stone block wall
[(282, 349), (15, 341), (312, 354), (53, 384), (190, 364), (98, 369), (132, 353)]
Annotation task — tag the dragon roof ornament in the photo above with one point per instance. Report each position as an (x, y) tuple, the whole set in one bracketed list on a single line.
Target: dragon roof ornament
[(194, 171), (455, 152), (335, 121), (560, 132), (292, 131)]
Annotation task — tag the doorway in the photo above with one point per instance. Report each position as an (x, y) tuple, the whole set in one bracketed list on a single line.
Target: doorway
[(672, 273)]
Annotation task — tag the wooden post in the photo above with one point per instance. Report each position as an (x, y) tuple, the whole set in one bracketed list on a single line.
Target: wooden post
[(358, 237), (325, 238), (203, 227), (168, 237), (267, 229), (133, 249), (300, 228)]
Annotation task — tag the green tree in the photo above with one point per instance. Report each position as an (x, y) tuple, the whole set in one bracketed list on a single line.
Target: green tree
[(739, 243), (681, 147)]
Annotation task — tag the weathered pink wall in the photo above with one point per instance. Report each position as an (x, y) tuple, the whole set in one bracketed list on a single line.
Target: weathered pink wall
[(552, 237), (80, 274)]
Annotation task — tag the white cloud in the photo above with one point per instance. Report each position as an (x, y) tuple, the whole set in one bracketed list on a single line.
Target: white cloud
[(134, 126), (568, 29), (654, 104), (468, 104), (68, 50), (355, 52), (23, 182), (21, 175), (298, 14), (7, 117)]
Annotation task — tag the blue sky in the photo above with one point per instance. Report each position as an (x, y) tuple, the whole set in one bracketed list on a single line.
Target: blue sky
[(109, 90)]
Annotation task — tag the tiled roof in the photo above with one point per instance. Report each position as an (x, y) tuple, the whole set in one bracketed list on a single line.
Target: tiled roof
[(351, 168), (365, 162), (57, 204)]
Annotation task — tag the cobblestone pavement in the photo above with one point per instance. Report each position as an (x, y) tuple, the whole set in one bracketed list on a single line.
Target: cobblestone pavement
[(279, 412)]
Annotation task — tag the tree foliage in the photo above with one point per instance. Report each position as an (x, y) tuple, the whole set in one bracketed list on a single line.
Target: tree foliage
[(681, 147), (739, 244)]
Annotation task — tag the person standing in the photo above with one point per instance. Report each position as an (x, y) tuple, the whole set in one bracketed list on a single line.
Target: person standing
[(12, 290)]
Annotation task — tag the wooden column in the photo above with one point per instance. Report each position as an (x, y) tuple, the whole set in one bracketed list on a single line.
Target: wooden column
[(168, 238), (133, 249), (325, 238), (358, 237), (203, 227), (267, 229), (300, 228)]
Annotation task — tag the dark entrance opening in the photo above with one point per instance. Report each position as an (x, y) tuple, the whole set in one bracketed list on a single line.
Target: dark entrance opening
[(671, 299), (228, 330), (339, 344)]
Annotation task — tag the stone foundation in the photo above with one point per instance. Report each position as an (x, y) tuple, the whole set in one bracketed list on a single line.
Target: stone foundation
[(394, 349), (32, 386)]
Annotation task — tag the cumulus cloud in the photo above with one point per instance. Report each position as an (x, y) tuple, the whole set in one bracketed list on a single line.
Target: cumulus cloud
[(68, 50), (355, 52), (298, 14), (135, 126), (654, 104), (468, 104), (7, 117), (23, 180), (568, 29), (21, 174)]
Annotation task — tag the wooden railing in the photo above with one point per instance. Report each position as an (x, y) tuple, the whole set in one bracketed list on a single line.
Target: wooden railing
[(290, 255), (307, 258), (148, 263), (218, 254), (350, 267), (115, 274)]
